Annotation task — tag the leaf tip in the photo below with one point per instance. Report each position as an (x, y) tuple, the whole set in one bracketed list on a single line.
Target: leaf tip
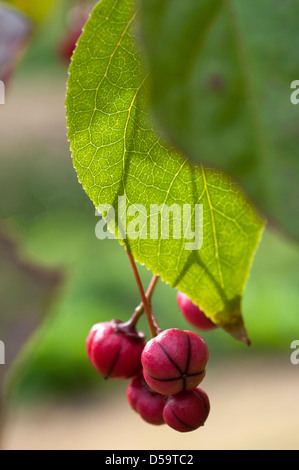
[(238, 331)]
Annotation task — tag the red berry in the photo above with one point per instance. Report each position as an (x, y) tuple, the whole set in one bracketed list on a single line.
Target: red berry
[(193, 314), (174, 361), (187, 411), (77, 18), (145, 401), (68, 44), (114, 351)]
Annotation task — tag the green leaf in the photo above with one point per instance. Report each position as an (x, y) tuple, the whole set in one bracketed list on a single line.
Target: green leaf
[(117, 153), (221, 86)]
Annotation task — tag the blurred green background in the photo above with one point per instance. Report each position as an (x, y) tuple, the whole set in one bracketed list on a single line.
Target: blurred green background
[(53, 225)]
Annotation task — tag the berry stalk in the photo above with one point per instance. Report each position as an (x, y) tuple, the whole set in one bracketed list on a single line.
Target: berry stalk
[(149, 294), (144, 300), (139, 310)]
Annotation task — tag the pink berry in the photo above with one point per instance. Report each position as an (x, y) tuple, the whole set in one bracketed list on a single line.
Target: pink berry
[(114, 350), (187, 411), (68, 44), (145, 401), (193, 314), (77, 17), (174, 361)]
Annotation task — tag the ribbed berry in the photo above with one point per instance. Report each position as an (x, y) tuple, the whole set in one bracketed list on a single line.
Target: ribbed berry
[(174, 361), (187, 411), (193, 314), (145, 401), (112, 352)]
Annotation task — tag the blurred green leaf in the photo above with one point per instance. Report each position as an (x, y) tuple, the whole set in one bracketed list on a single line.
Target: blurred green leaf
[(116, 152), (221, 74), (26, 292)]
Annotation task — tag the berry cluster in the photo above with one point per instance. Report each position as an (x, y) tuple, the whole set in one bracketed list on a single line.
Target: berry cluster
[(166, 370)]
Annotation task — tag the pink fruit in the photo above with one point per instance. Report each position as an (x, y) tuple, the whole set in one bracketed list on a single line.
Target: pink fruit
[(187, 411), (115, 350), (193, 314), (145, 401), (68, 44), (77, 18), (174, 361)]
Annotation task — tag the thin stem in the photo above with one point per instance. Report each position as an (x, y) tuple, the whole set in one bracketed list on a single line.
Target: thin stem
[(151, 288), (149, 294), (144, 300), (137, 314), (139, 310), (156, 325)]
